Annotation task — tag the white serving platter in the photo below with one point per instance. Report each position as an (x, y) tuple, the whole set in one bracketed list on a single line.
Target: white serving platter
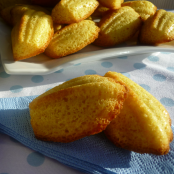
[(42, 64)]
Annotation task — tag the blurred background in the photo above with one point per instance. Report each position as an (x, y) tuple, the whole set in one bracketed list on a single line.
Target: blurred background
[(161, 4)]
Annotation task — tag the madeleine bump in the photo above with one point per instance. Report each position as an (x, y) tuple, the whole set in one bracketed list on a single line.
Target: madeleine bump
[(158, 28), (31, 35), (144, 8), (143, 125), (76, 109), (118, 26), (72, 11), (72, 38)]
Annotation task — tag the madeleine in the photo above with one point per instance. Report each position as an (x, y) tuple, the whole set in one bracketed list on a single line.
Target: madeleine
[(143, 125), (72, 11), (31, 35), (118, 26), (78, 108), (158, 28), (72, 38)]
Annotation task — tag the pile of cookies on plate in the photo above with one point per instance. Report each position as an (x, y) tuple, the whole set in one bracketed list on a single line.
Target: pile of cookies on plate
[(68, 26)]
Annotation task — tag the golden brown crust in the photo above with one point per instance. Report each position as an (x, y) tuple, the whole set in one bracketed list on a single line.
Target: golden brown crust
[(31, 41), (72, 38), (78, 111), (141, 126), (111, 4), (19, 10), (144, 8), (118, 26), (158, 28), (14, 13), (140, 149), (68, 12)]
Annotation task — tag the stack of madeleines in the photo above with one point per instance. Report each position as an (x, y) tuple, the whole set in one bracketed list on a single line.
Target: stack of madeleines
[(68, 26), (130, 116)]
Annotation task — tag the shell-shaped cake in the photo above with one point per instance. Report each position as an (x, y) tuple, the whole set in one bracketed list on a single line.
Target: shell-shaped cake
[(144, 8), (118, 26), (76, 109), (18, 11), (111, 4), (72, 38), (72, 11), (74, 82), (158, 28), (143, 124), (31, 35), (14, 13)]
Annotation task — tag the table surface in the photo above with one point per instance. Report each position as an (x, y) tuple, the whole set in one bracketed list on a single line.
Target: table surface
[(21, 158), (18, 159)]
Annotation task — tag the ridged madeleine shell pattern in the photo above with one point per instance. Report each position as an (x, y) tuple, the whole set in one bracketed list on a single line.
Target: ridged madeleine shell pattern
[(158, 28), (144, 8), (32, 34), (143, 124), (18, 11), (118, 26), (72, 38), (76, 109)]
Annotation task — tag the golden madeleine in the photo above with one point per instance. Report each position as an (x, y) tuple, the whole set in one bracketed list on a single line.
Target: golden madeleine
[(31, 35), (118, 26), (13, 14), (18, 11), (72, 38), (144, 8), (68, 114), (143, 124), (111, 4), (72, 11), (158, 28)]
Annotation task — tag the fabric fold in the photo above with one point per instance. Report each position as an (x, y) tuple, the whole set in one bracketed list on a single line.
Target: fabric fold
[(93, 154)]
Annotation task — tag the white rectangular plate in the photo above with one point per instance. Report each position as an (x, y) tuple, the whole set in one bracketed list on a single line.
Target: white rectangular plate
[(42, 65)]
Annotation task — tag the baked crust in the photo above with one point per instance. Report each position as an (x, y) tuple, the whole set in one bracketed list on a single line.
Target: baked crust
[(85, 108), (118, 26), (72, 38), (71, 11), (19, 10), (144, 8), (111, 4), (143, 124), (158, 28), (29, 37)]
